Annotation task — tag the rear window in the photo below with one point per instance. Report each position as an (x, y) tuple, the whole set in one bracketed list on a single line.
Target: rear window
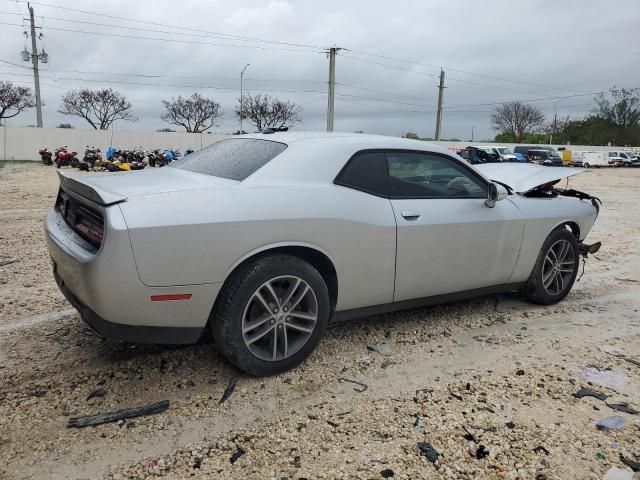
[(233, 158)]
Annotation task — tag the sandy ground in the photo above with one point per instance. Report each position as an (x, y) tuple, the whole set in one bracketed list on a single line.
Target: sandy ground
[(488, 383)]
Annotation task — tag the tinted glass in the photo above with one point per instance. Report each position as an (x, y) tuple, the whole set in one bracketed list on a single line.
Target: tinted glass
[(422, 175), (366, 171), (234, 158)]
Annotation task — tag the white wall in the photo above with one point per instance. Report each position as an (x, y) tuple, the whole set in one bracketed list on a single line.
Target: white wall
[(23, 143)]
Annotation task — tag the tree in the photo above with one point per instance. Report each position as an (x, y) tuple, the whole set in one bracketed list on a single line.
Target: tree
[(14, 100), (411, 135), (196, 113), (623, 110), (98, 107), (263, 111), (515, 120)]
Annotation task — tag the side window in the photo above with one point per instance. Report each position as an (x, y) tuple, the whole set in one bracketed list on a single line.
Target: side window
[(612, 154), (423, 175), (366, 171)]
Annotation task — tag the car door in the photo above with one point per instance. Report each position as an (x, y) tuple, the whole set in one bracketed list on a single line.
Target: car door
[(448, 240)]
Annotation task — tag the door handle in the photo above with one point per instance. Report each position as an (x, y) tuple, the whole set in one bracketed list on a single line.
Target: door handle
[(410, 215)]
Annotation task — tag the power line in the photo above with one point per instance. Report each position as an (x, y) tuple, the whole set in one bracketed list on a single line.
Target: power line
[(171, 40), (176, 27)]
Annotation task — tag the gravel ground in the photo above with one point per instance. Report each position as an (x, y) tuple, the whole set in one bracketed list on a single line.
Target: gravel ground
[(488, 384)]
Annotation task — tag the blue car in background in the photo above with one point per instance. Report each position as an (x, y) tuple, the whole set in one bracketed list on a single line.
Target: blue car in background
[(520, 157)]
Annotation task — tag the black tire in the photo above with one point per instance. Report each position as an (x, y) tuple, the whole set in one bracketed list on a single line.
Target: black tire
[(227, 316), (535, 290)]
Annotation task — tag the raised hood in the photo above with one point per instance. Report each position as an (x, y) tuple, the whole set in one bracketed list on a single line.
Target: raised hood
[(111, 188), (524, 177)]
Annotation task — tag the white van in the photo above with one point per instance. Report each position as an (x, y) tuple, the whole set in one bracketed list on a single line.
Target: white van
[(596, 159)]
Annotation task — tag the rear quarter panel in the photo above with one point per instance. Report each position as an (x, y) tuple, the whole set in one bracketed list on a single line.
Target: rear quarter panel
[(199, 237)]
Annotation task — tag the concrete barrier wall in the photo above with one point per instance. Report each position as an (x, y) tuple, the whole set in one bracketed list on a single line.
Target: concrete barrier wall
[(23, 143)]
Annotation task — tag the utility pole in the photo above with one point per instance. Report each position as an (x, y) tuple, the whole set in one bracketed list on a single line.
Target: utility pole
[(241, 95), (332, 87), (472, 129), (439, 114), (36, 75)]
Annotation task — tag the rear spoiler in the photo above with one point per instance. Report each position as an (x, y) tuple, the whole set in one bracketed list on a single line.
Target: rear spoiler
[(94, 193)]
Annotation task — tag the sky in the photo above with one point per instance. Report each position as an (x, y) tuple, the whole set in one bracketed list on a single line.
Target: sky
[(554, 54)]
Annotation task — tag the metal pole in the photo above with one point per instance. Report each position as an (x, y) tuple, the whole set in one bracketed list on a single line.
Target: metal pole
[(332, 88), (241, 95), (472, 128), (440, 95), (34, 60)]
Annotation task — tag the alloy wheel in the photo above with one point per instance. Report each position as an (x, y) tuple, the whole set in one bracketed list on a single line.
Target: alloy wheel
[(558, 267), (279, 318)]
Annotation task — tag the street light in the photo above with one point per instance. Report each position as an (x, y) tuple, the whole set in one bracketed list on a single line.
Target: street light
[(241, 97)]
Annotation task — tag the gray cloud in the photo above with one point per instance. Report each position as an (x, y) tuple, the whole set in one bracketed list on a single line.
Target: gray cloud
[(552, 48)]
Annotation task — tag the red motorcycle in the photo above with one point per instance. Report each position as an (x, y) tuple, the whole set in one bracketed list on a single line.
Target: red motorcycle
[(46, 156), (64, 157)]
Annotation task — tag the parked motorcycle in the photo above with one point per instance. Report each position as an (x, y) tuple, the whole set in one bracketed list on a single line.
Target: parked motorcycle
[(91, 156), (46, 156), (65, 158)]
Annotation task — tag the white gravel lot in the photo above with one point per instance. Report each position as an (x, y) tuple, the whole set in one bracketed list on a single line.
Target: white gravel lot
[(487, 383)]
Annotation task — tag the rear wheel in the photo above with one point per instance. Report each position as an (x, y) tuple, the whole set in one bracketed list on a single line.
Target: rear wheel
[(586, 165), (271, 314), (555, 270)]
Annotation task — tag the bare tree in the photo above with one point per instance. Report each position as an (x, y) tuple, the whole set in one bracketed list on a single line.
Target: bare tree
[(98, 107), (516, 120), (196, 113), (263, 111), (13, 100)]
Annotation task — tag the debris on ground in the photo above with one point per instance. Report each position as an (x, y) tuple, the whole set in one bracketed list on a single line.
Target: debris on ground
[(231, 386), (97, 393), (361, 387), (428, 451), (635, 466), (383, 348), (613, 422), (623, 407), (387, 473), (481, 452), (587, 392), (603, 377), (100, 418), (236, 455)]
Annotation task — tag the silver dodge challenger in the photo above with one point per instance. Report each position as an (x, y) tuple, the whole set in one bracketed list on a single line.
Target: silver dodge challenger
[(263, 240)]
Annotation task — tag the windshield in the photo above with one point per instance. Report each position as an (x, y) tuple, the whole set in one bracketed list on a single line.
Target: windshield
[(505, 151), (233, 158)]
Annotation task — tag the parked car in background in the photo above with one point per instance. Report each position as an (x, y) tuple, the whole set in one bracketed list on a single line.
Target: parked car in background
[(503, 154), (262, 240), (599, 159), (623, 158), (520, 157), (554, 156), (543, 157)]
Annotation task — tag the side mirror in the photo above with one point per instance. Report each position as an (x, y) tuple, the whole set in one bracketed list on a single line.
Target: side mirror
[(496, 192)]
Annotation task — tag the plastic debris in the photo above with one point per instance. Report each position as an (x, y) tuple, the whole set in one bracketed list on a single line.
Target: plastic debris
[(98, 392), (635, 466), (428, 451), (387, 473), (236, 455), (383, 348), (418, 426), (614, 473), (233, 381), (510, 425), (587, 392), (360, 388), (614, 422), (623, 407), (600, 456), (541, 449)]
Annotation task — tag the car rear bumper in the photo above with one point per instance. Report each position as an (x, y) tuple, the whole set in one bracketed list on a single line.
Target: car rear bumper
[(128, 333)]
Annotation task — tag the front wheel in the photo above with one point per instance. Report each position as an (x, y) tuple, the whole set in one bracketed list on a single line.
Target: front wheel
[(555, 270), (271, 314)]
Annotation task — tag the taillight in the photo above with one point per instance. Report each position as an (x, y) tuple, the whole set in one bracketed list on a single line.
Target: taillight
[(89, 226)]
